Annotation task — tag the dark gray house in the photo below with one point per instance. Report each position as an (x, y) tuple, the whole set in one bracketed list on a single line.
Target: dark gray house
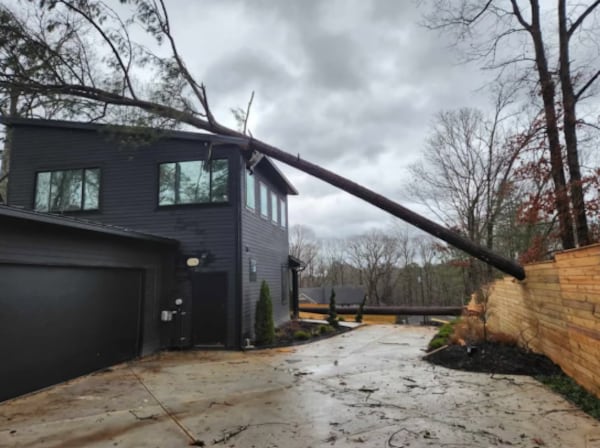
[(226, 211)]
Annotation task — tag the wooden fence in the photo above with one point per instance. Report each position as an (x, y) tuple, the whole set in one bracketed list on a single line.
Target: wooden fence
[(555, 311)]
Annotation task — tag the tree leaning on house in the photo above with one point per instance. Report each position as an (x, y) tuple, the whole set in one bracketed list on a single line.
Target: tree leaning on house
[(264, 327), (99, 69)]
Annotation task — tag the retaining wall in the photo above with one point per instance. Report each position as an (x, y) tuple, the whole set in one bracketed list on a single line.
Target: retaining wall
[(555, 311)]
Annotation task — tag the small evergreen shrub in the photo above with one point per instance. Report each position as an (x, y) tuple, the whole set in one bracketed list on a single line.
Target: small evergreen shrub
[(332, 317), (359, 316), (264, 327), (325, 329), (301, 335)]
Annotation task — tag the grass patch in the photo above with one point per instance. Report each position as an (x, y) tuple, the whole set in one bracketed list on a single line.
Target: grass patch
[(443, 335), (573, 392)]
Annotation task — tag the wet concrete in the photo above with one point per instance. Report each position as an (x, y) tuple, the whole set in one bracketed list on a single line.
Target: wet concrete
[(366, 388)]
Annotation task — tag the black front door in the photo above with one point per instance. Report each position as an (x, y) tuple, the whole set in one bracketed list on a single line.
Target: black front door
[(209, 315)]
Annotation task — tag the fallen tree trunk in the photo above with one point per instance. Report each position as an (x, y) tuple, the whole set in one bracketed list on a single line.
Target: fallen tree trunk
[(453, 238), (389, 310)]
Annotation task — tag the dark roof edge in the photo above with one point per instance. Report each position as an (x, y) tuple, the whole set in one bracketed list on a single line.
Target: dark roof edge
[(73, 223), (184, 135)]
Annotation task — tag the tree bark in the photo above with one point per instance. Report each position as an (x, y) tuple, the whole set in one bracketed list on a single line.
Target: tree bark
[(548, 96), (570, 129)]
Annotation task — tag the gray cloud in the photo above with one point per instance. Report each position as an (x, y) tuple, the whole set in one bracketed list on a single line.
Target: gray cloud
[(349, 84)]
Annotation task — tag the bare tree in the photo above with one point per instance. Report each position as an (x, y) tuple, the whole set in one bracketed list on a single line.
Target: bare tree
[(490, 27), (464, 177), (376, 255), (304, 246), (174, 97)]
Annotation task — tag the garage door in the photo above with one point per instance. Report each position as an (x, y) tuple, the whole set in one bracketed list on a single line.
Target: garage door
[(57, 323)]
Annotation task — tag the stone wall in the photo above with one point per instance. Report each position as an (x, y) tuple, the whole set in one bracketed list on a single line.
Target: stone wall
[(555, 311)]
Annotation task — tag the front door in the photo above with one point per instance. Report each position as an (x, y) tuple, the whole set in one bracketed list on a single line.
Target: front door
[(209, 311)]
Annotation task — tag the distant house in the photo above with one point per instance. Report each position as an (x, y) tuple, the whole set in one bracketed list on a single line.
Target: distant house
[(227, 211)]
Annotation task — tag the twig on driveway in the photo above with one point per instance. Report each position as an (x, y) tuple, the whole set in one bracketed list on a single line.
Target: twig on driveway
[(230, 434)]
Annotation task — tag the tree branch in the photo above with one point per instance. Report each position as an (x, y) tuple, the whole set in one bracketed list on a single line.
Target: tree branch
[(248, 112), (582, 17), (107, 39), (199, 90), (587, 85), (519, 16)]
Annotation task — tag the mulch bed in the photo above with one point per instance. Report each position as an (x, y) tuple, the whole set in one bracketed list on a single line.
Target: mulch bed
[(284, 334), (493, 357)]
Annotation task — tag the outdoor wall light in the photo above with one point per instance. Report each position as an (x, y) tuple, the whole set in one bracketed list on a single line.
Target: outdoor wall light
[(192, 262)]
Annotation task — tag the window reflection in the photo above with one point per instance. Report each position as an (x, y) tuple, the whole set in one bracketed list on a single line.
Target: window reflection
[(193, 182), (67, 190)]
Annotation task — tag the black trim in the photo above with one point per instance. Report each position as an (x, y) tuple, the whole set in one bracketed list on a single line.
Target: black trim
[(238, 299)]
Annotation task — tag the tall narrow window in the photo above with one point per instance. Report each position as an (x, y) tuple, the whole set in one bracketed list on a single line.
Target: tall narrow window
[(283, 211), (193, 182), (250, 191), (264, 198), (274, 206), (67, 190)]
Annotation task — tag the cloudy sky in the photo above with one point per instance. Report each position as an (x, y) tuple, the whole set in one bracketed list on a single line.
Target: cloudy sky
[(350, 85)]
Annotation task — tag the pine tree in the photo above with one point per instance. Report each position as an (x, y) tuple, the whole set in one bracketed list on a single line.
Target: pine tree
[(332, 317), (264, 328), (359, 316)]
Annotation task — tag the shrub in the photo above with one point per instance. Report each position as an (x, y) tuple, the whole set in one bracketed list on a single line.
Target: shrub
[(469, 330), (437, 342), (301, 335), (264, 328), (341, 319), (359, 316), (325, 329), (332, 317)]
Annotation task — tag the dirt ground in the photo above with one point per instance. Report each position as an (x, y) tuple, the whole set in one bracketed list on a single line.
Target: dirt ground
[(365, 388)]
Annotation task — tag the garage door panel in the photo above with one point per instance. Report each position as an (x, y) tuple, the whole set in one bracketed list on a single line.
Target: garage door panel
[(61, 322)]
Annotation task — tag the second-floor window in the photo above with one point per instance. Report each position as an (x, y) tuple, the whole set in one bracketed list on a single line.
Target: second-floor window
[(283, 212), (250, 191), (67, 190), (264, 197), (193, 182), (274, 204)]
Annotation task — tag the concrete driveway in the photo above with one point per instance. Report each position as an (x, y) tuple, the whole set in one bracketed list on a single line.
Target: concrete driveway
[(366, 388)]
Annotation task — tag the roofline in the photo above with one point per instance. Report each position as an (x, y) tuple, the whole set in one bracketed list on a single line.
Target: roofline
[(166, 133), (79, 224)]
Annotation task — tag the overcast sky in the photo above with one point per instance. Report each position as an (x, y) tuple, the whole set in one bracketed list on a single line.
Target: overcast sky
[(350, 85)]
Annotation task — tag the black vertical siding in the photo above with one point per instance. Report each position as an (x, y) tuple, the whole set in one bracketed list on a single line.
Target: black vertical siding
[(128, 198), (267, 243)]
